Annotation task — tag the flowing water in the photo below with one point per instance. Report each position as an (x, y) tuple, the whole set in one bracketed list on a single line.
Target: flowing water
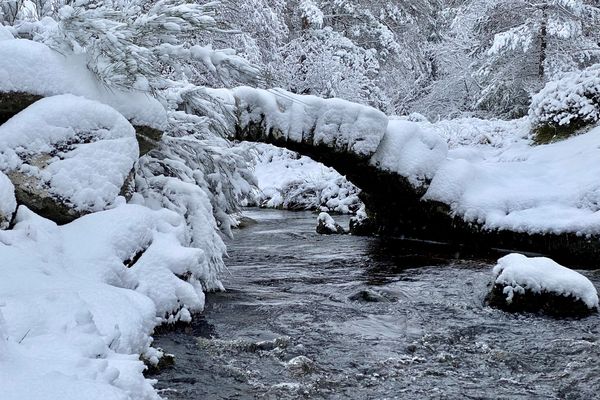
[(344, 317)]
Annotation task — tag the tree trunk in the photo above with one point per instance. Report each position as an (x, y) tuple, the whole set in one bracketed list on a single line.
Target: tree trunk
[(543, 42)]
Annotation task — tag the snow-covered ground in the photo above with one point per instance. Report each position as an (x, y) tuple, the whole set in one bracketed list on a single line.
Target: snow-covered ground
[(288, 180)]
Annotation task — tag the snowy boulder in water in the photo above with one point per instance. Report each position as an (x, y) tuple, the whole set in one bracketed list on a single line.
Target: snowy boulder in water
[(539, 284), (327, 226), (67, 156)]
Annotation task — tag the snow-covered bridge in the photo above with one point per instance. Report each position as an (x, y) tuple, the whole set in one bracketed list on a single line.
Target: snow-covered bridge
[(413, 188)]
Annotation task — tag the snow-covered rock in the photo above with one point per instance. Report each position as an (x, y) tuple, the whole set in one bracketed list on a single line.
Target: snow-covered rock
[(540, 284), (327, 226), (32, 68), (74, 319), (67, 155), (281, 116)]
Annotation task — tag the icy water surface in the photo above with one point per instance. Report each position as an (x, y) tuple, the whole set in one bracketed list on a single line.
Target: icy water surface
[(343, 317)]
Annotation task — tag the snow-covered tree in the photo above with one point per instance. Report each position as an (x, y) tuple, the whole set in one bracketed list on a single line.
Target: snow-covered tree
[(525, 43)]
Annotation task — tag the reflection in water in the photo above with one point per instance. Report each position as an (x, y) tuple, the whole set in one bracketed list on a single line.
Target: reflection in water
[(308, 316)]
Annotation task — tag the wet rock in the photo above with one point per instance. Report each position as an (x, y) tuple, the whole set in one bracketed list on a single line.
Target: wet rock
[(300, 365), (12, 103), (548, 303), (368, 296), (327, 226), (166, 361), (362, 226), (246, 222), (148, 138)]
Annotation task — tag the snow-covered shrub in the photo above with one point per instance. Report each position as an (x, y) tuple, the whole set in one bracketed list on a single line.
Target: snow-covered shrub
[(290, 181), (199, 175), (569, 103)]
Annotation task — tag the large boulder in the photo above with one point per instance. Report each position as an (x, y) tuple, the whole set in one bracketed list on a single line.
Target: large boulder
[(523, 284), (67, 156)]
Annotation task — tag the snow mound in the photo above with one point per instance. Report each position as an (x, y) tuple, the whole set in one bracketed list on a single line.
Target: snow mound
[(78, 150), (32, 67), (8, 203), (335, 123), (539, 274), (286, 179), (410, 150), (543, 189), (77, 311)]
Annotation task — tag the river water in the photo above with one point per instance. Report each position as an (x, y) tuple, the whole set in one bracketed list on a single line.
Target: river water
[(344, 317)]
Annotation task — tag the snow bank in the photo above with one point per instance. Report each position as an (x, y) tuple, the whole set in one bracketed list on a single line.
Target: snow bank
[(286, 179), (519, 273), (79, 150), (411, 151), (338, 124), (74, 317), (544, 189), (32, 67)]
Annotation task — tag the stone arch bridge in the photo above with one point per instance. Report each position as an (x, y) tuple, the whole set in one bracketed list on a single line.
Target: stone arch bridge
[(349, 137)]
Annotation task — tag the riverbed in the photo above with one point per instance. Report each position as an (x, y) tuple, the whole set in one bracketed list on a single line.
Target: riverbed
[(345, 317)]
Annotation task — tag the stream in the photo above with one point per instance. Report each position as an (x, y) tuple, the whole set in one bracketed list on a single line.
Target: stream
[(345, 317)]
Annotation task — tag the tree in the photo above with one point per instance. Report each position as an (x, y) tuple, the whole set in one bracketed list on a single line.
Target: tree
[(525, 43)]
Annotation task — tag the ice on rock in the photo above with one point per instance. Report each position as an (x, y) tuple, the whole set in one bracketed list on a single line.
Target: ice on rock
[(71, 149), (31, 67)]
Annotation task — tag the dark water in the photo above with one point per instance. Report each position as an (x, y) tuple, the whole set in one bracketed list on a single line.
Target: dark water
[(295, 323)]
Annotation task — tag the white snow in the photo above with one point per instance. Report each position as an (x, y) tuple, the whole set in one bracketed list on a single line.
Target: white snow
[(73, 318), (32, 67), (541, 189), (286, 179), (338, 124), (572, 98), (8, 203), (539, 274), (5, 33), (78, 150), (327, 221), (411, 150)]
